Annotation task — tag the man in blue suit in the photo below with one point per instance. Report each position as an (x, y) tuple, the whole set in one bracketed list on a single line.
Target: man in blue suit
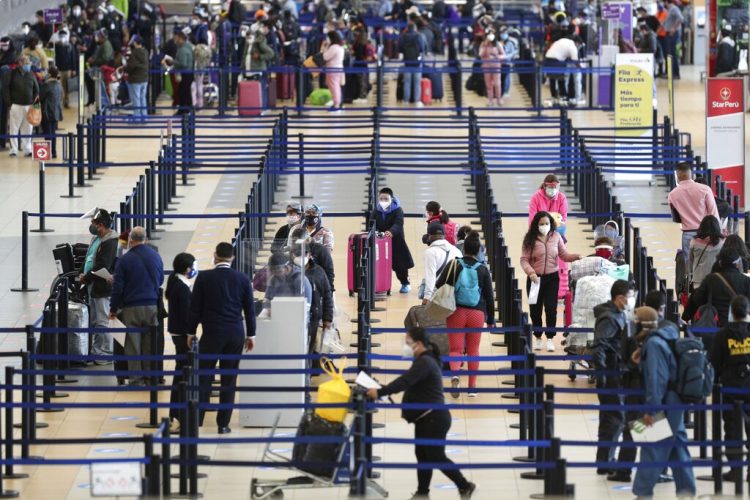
[(220, 297)]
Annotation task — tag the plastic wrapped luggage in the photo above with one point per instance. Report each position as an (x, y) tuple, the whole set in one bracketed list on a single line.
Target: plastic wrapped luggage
[(426, 94), (588, 266), (383, 262), (249, 98), (78, 317), (590, 292), (318, 458)]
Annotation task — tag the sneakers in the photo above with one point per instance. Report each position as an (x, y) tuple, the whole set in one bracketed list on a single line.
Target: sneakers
[(550, 345), (404, 289), (13, 154), (473, 394), (620, 476), (468, 491), (328, 104), (28, 154), (537, 343), (361, 100), (420, 104), (454, 385)]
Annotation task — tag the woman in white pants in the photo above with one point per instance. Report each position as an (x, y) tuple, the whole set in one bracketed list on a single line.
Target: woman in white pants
[(22, 90)]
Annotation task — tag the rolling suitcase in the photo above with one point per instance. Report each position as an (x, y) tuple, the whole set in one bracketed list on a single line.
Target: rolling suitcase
[(426, 91), (383, 262), (78, 317), (285, 84), (318, 458), (249, 98), (436, 78), (400, 87), (271, 101)]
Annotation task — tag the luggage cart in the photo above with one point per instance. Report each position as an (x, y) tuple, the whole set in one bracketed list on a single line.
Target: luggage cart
[(579, 344), (274, 488)]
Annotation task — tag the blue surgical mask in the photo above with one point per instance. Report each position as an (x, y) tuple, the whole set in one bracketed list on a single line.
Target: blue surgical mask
[(26, 67)]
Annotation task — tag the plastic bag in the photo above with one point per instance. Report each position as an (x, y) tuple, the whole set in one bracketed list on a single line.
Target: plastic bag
[(331, 342), (335, 391), (534, 292), (34, 115)]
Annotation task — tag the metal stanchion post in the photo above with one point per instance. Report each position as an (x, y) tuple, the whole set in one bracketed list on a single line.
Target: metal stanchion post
[(71, 142), (301, 153), (9, 437), (153, 411), (81, 154), (166, 459), (24, 256), (42, 228), (9, 473)]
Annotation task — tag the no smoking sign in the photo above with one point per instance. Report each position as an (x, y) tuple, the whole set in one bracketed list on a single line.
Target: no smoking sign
[(42, 150)]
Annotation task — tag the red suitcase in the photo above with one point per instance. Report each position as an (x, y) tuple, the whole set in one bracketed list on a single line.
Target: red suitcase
[(249, 98), (285, 84), (383, 262), (426, 91)]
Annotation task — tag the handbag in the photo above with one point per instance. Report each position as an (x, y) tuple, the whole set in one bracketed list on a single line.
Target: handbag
[(443, 302), (423, 284), (319, 60), (34, 115), (707, 314)]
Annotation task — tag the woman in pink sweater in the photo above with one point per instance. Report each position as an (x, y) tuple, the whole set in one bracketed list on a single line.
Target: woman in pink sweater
[(549, 198), (542, 246), (334, 58), (491, 54)]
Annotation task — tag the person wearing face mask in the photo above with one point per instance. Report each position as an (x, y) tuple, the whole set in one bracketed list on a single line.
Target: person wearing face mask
[(313, 224), (101, 254), (285, 280), (184, 65), (293, 219), (510, 46), (8, 57), (177, 293), (704, 249), (542, 249), (51, 97), (221, 297), (389, 220), (423, 384), (21, 90), (730, 356), (66, 62), (319, 254), (721, 286), (321, 307), (36, 54), (433, 212), (610, 333), (491, 52)]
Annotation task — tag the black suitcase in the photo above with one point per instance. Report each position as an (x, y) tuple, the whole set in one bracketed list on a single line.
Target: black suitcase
[(63, 254), (79, 254), (400, 87), (318, 458), (436, 78)]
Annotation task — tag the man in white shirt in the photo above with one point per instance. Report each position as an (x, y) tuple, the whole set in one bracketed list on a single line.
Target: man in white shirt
[(557, 56), (437, 256)]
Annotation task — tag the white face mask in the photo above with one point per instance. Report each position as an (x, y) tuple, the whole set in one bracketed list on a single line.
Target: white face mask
[(544, 229), (26, 30), (551, 192), (426, 215), (407, 351), (491, 38), (292, 219), (631, 304), (301, 261), (384, 204)]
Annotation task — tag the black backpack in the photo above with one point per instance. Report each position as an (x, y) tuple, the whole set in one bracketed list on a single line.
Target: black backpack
[(695, 374)]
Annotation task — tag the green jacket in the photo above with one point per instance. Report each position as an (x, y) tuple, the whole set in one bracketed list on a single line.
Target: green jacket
[(260, 54), (137, 67), (184, 58), (103, 54)]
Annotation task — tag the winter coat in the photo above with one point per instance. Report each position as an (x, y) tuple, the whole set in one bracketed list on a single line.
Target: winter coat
[(610, 334), (543, 257), (541, 203), (392, 219), (450, 229), (720, 295), (50, 94)]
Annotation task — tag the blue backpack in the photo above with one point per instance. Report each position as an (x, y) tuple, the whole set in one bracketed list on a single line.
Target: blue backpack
[(467, 285)]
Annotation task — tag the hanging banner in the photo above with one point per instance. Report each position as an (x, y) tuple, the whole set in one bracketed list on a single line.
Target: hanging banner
[(725, 132), (634, 114)]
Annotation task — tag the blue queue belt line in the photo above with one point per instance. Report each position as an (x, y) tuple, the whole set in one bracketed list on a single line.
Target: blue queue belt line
[(72, 461), (631, 444)]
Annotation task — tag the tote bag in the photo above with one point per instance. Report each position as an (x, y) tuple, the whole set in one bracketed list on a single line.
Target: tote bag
[(443, 302)]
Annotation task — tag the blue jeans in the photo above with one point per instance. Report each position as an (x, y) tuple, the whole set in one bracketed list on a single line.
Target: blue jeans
[(687, 236), (672, 451), (412, 83), (670, 49), (138, 98)]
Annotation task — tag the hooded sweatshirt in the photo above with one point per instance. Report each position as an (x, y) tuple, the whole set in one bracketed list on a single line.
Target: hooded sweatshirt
[(659, 365), (610, 331), (437, 253), (540, 202)]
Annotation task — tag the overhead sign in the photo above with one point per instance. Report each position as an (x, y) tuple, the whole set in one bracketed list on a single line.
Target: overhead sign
[(725, 132), (41, 150), (112, 479), (634, 113), (53, 16)]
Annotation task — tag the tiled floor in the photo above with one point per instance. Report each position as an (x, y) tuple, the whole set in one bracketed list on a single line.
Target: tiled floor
[(335, 193)]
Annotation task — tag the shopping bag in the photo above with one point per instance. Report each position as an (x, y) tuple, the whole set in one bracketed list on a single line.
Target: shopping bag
[(335, 391), (34, 115), (331, 342), (443, 302), (534, 292)]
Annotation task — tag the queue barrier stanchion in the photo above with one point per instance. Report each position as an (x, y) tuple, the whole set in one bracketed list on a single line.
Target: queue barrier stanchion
[(71, 142), (29, 424), (9, 472), (535, 453), (716, 437), (739, 426), (153, 382), (42, 221), (24, 256), (48, 345), (166, 459)]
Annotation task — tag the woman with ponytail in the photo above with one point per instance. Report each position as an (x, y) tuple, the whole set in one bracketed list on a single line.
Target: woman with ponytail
[(178, 295), (423, 384)]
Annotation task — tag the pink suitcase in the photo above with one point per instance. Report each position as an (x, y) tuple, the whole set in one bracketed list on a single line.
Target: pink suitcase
[(383, 262), (249, 97)]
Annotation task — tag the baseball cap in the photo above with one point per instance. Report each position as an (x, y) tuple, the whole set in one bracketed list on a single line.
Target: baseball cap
[(434, 228)]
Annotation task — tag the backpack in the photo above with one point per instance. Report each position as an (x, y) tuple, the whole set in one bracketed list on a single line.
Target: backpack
[(695, 374), (467, 285)]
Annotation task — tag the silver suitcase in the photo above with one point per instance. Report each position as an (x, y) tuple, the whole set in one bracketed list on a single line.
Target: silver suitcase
[(78, 317)]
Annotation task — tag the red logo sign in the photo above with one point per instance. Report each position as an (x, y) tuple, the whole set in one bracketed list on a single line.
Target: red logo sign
[(725, 93), (724, 96), (42, 151)]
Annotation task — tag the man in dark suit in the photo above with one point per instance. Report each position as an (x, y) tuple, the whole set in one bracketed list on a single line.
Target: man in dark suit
[(220, 296)]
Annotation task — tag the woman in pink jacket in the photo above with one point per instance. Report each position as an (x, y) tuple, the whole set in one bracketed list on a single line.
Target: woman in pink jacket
[(335, 78), (542, 247), (550, 199), (491, 54)]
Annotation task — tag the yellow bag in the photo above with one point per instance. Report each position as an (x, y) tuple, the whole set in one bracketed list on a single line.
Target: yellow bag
[(333, 391)]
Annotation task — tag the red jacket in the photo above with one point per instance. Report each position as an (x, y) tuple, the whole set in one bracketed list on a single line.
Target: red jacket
[(450, 228)]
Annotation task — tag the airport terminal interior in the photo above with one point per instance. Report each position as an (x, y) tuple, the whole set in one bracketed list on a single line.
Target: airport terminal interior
[(227, 169)]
